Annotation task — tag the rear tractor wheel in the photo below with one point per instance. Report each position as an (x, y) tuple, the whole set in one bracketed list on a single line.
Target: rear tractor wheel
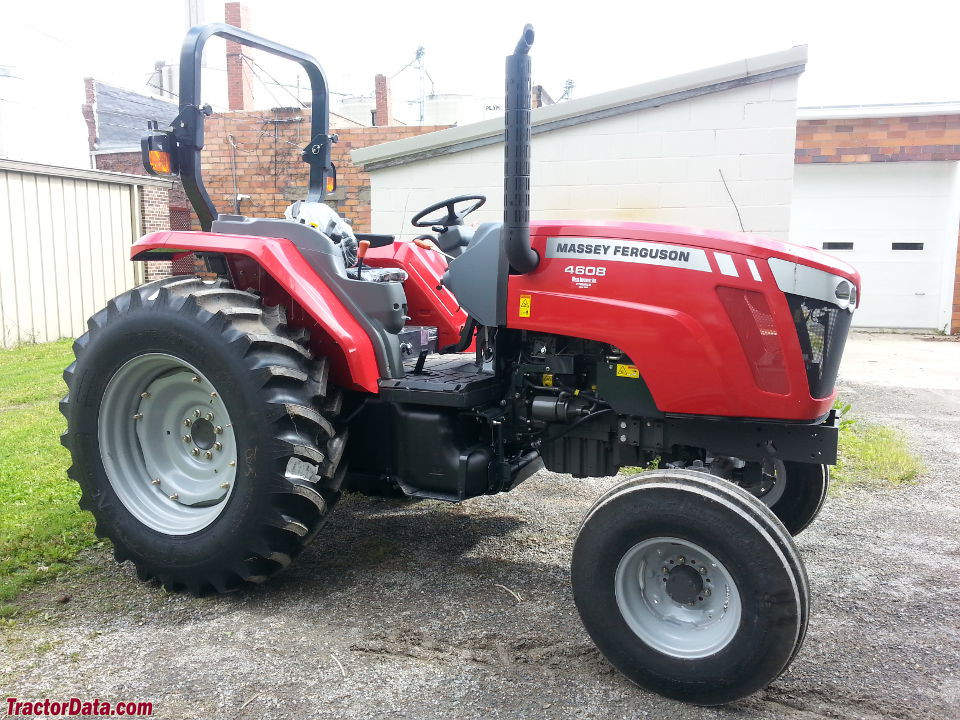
[(201, 435), (690, 586)]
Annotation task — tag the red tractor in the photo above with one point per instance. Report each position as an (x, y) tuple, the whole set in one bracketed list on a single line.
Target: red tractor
[(214, 418)]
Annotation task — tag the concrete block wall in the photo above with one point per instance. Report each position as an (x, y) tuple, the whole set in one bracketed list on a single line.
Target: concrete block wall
[(660, 164)]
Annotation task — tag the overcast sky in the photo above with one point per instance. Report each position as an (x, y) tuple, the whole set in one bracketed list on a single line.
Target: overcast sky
[(860, 52)]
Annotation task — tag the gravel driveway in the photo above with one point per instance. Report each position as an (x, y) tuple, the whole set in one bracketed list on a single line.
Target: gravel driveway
[(430, 610)]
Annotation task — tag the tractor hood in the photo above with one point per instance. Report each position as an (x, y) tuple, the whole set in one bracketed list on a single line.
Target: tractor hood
[(718, 240)]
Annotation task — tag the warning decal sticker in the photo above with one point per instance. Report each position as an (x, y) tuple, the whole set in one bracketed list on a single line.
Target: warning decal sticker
[(628, 371), (525, 305), (630, 251)]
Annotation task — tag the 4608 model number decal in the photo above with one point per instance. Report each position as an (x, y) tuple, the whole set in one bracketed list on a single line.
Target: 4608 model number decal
[(628, 251)]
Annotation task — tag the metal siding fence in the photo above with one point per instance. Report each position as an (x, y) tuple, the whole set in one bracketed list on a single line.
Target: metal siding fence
[(64, 244)]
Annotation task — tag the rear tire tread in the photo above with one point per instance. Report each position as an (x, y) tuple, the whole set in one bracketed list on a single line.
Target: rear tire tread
[(280, 365)]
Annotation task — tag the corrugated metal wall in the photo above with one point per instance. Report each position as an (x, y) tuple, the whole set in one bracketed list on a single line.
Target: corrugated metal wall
[(64, 249)]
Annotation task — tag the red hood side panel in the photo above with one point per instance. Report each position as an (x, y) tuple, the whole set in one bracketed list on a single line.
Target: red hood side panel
[(667, 315), (728, 242)]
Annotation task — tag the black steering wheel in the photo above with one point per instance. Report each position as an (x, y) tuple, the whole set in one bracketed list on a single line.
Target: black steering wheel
[(453, 217)]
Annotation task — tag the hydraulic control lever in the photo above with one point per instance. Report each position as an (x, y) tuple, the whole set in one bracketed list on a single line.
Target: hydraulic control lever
[(427, 243), (362, 248)]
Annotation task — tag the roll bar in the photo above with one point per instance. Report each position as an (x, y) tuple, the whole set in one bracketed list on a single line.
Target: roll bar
[(188, 126)]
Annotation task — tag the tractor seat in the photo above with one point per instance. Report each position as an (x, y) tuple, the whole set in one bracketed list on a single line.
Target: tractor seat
[(378, 274)]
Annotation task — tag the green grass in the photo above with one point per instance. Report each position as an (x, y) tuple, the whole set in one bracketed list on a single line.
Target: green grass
[(41, 527), (873, 456)]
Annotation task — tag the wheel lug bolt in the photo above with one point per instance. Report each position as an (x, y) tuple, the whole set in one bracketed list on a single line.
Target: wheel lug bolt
[(144, 395), (208, 454), (706, 592), (213, 394), (224, 485), (218, 446), (664, 570), (681, 560), (138, 416), (218, 430), (186, 438), (175, 496), (187, 422), (156, 481), (703, 571), (232, 463), (209, 416), (195, 451), (196, 413), (196, 379)]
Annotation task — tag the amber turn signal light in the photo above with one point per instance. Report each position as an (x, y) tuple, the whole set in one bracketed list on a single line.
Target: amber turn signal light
[(160, 162)]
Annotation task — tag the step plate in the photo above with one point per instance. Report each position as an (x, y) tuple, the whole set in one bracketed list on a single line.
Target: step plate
[(447, 380)]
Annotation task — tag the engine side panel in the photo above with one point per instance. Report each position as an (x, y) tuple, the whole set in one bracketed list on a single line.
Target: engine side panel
[(659, 298)]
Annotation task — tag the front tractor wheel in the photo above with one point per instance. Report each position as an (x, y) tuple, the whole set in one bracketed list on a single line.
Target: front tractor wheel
[(201, 436), (690, 586), (794, 491)]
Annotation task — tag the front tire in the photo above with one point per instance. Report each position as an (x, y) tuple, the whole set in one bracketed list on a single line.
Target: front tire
[(802, 497), (201, 435), (690, 586)]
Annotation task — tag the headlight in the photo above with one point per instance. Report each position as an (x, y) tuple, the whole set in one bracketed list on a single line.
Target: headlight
[(805, 281)]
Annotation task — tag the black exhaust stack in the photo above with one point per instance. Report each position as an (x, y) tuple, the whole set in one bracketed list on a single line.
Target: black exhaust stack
[(516, 152)]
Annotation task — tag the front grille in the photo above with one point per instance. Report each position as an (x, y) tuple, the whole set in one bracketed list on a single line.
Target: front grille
[(822, 328)]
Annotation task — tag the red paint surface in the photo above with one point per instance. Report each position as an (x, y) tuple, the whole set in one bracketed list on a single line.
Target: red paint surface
[(671, 322), (428, 303), (343, 340)]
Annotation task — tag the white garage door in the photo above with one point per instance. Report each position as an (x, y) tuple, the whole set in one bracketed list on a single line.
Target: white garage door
[(896, 223)]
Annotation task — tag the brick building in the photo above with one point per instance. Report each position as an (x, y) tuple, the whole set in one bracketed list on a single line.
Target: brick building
[(880, 187), (260, 151), (116, 119), (251, 158)]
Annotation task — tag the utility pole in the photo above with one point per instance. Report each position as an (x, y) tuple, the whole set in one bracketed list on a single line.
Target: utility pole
[(195, 12), (419, 61)]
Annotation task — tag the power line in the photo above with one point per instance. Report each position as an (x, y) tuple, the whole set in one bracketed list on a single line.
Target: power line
[(257, 76), (253, 62)]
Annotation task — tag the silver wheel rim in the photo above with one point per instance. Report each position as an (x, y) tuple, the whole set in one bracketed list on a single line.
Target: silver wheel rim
[(167, 444), (773, 495), (647, 588)]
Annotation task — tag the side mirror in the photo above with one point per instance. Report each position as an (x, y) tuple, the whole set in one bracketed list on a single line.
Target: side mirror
[(158, 153)]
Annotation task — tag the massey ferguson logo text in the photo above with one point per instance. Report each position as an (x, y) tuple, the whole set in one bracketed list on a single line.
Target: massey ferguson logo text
[(628, 251), (655, 253)]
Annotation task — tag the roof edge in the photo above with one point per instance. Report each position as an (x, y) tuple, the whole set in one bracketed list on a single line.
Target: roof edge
[(670, 89), (33, 168), (854, 112)]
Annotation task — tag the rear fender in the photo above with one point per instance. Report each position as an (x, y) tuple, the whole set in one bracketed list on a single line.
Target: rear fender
[(275, 268)]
